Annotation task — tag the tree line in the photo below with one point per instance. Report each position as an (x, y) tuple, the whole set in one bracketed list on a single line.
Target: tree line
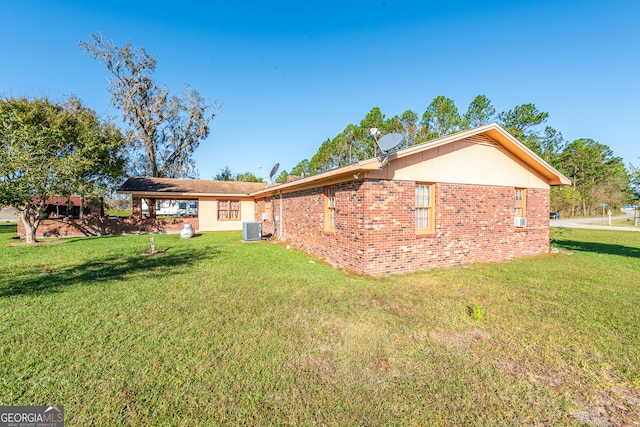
[(596, 174), (225, 174)]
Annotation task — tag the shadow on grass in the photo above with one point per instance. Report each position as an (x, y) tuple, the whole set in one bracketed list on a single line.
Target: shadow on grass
[(43, 279), (600, 248), (8, 228)]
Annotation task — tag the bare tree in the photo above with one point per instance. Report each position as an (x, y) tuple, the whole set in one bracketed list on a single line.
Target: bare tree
[(163, 131)]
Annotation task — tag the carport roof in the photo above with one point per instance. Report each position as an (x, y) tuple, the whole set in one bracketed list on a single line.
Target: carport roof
[(188, 188)]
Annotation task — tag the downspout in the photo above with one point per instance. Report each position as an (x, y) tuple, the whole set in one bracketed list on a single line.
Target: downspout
[(273, 218)]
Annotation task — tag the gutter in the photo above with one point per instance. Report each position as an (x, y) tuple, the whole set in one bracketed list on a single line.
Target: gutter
[(315, 180)]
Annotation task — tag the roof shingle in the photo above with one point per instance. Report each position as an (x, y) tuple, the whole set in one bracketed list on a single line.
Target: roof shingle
[(171, 186)]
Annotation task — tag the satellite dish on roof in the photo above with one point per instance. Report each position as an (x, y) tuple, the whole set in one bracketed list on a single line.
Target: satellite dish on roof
[(273, 171), (389, 141), (386, 144)]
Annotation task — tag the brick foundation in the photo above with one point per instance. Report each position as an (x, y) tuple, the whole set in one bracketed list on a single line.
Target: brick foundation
[(375, 225), (99, 227)]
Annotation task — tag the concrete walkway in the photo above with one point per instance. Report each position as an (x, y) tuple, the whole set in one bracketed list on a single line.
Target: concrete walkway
[(594, 223)]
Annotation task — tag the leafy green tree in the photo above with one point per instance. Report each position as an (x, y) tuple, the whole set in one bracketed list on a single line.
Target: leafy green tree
[(480, 112), (248, 177), (163, 131), (320, 160), (356, 143), (373, 119), (564, 199), (592, 167), (302, 168), (551, 146), (366, 147), (353, 136), (521, 122), (409, 121), (282, 177), (440, 118), (394, 124), (340, 151), (225, 174), (634, 181), (332, 154), (54, 149)]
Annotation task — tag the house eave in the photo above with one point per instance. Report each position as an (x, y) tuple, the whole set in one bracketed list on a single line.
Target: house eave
[(323, 178)]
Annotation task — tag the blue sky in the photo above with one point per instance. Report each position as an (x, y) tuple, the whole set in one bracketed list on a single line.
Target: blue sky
[(290, 74)]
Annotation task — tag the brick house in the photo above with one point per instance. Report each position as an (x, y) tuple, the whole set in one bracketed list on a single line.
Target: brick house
[(475, 196)]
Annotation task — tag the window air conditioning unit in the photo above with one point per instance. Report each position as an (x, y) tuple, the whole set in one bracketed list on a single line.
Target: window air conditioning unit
[(520, 222), (251, 231)]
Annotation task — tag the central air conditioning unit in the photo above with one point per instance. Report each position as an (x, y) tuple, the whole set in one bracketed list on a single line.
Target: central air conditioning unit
[(520, 222), (251, 231)]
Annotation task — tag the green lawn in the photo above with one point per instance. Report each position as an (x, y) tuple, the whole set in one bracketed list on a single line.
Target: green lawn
[(215, 331), (619, 222), (627, 222), (117, 212)]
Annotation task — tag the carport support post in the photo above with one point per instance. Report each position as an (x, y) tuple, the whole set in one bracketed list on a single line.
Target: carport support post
[(136, 205), (151, 204)]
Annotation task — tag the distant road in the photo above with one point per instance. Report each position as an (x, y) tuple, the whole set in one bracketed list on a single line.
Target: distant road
[(593, 223)]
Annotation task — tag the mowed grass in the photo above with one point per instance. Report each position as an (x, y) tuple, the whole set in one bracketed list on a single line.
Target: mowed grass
[(117, 212), (214, 331), (627, 222)]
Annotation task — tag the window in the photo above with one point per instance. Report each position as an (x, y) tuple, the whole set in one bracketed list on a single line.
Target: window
[(424, 207), (228, 210), (520, 203), (330, 204)]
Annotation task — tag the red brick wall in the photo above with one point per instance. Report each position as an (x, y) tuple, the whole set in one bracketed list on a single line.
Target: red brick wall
[(97, 227), (304, 222), (473, 223), (375, 225)]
